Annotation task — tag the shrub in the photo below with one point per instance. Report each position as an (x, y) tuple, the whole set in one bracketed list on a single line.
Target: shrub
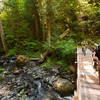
[(65, 47), (64, 53), (12, 52), (49, 63)]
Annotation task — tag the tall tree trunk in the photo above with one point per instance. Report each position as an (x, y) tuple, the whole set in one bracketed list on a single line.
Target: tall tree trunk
[(49, 12), (49, 30), (44, 34), (38, 35), (2, 36)]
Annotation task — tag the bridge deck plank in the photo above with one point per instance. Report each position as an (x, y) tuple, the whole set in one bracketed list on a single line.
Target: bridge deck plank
[(88, 87)]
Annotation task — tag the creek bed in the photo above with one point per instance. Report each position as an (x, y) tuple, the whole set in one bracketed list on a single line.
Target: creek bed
[(31, 82)]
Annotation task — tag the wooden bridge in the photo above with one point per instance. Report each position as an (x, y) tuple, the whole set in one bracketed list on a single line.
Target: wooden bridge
[(88, 87)]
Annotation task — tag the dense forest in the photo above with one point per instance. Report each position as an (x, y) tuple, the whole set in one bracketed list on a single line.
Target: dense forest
[(46, 33), (47, 29)]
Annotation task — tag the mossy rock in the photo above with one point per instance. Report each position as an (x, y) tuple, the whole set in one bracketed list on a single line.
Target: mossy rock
[(22, 60), (64, 86)]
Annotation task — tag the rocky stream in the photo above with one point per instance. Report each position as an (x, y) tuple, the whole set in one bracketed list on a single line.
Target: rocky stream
[(32, 82)]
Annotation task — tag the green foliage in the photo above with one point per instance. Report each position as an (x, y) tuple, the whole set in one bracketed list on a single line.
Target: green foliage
[(49, 63), (16, 26), (67, 50), (18, 17), (30, 54), (61, 63), (12, 52), (65, 47), (64, 53), (1, 48), (28, 48), (95, 39), (2, 74), (90, 13), (22, 94), (31, 45), (2, 69), (11, 40), (68, 69)]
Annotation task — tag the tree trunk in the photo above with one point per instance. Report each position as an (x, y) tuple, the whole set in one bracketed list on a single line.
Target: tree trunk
[(49, 12), (2, 36), (44, 33), (37, 21), (49, 31)]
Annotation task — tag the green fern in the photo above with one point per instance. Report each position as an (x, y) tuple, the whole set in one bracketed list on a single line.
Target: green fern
[(12, 52)]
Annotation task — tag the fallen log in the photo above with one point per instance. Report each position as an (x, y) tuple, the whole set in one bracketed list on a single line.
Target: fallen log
[(43, 55), (64, 34), (34, 59)]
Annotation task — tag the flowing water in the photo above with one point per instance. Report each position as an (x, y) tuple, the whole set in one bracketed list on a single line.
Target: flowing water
[(30, 78)]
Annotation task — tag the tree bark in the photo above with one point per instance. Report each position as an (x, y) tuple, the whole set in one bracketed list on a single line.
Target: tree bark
[(49, 31), (49, 12), (37, 21), (2, 36), (44, 31), (64, 34)]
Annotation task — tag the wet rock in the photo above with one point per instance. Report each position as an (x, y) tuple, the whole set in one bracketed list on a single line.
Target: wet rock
[(16, 71), (14, 98), (32, 64), (5, 64), (10, 76), (13, 80), (50, 96), (5, 61), (30, 98), (22, 60), (18, 82), (54, 70), (63, 86), (43, 93), (38, 83), (47, 98), (1, 62), (26, 84), (6, 98)]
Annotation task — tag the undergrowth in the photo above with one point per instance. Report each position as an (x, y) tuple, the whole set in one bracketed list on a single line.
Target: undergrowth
[(64, 54)]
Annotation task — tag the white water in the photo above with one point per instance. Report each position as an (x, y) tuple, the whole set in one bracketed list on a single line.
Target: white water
[(69, 97)]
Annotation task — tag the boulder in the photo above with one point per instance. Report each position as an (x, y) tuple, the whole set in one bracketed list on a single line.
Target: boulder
[(22, 60), (64, 86)]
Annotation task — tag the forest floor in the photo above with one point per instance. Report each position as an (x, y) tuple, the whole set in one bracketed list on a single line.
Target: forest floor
[(30, 82)]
